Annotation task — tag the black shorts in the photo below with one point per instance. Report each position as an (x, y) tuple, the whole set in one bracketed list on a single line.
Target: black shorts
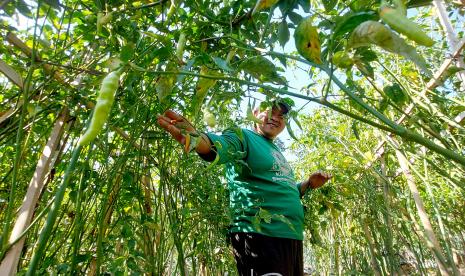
[(258, 254)]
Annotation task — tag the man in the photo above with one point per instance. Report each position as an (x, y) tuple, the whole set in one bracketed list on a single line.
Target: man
[(267, 228)]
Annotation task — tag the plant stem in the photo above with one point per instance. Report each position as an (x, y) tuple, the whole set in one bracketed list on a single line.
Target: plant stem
[(78, 219), (53, 213)]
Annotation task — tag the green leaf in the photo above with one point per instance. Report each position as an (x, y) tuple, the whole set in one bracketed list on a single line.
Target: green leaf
[(243, 164), (62, 268), (251, 117), (186, 67), (262, 69), (82, 257), (290, 131), (9, 9), (396, 94), (265, 215), (53, 3), (322, 210), (338, 206), (222, 64), (365, 68), (329, 4), (383, 104), (127, 52), (350, 21), (297, 122), (100, 4), (283, 33), (283, 60), (365, 54), (163, 53), (419, 3), (285, 6), (285, 220), (238, 131), (305, 4), (295, 17), (374, 32), (358, 5), (23, 8), (256, 223), (355, 130)]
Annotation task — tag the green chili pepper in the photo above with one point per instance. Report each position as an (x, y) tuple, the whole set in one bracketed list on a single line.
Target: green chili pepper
[(399, 22), (105, 99)]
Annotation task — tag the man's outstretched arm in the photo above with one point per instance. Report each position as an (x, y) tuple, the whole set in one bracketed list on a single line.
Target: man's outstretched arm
[(229, 143), (176, 125)]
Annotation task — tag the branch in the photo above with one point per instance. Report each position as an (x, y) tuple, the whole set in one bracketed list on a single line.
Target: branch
[(395, 127), (320, 101), (89, 71), (433, 83)]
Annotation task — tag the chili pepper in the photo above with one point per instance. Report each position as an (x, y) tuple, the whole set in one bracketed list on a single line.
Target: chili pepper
[(202, 87), (209, 118), (374, 32), (400, 23), (181, 44), (105, 99), (103, 19)]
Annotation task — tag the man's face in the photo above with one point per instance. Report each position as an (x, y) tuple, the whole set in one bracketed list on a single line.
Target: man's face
[(272, 125)]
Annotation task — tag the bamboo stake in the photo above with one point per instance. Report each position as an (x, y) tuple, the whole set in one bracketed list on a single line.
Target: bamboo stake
[(432, 241), (7, 114), (106, 214), (13, 39), (17, 160), (387, 215), (11, 74), (53, 213), (452, 38), (433, 83), (426, 179), (371, 246), (10, 262)]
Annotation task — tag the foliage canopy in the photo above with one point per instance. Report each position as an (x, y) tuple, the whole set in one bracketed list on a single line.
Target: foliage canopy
[(389, 124)]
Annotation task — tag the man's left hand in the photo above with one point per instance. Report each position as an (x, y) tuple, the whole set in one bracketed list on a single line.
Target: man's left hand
[(316, 180)]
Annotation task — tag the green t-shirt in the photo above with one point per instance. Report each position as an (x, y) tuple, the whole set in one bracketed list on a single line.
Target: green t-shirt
[(264, 196)]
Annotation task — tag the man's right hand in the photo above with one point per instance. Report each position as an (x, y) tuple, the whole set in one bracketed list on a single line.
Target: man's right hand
[(176, 125)]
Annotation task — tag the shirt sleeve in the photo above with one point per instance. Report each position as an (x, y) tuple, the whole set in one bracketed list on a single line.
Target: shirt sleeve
[(228, 146), (299, 185)]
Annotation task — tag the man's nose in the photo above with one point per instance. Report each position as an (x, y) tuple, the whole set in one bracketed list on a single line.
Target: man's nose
[(276, 118)]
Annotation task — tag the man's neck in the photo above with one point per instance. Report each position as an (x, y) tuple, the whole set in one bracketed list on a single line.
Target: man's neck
[(256, 130)]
